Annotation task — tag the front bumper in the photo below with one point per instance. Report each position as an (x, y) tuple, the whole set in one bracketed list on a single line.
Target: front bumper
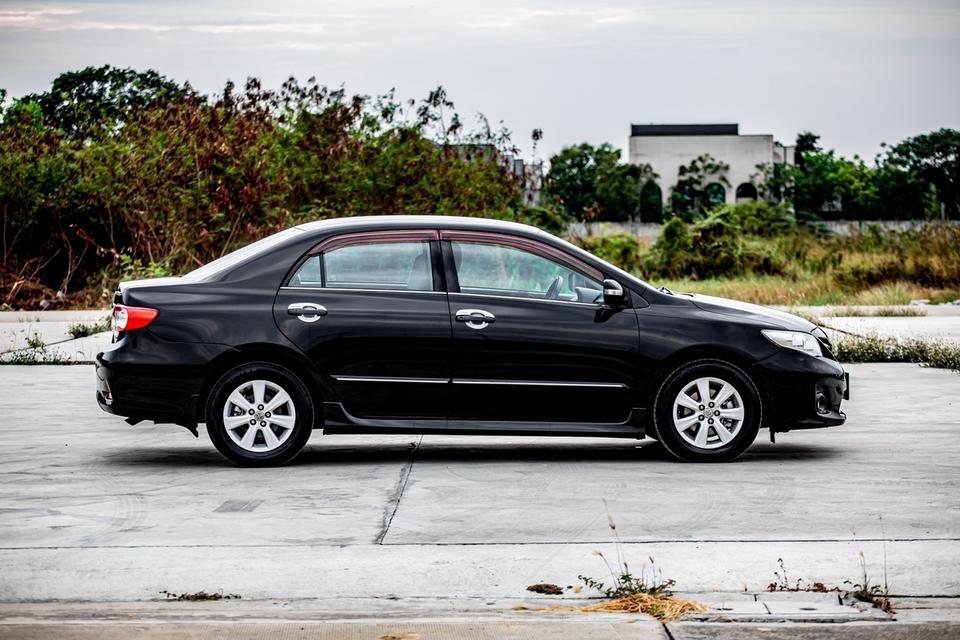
[(801, 391)]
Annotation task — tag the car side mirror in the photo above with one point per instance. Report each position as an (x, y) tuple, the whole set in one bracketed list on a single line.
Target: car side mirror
[(613, 294)]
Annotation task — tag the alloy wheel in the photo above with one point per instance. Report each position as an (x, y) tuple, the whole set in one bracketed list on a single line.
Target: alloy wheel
[(708, 413), (259, 416)]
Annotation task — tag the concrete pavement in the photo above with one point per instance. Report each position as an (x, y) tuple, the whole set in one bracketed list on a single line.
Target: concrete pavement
[(94, 510), (942, 328)]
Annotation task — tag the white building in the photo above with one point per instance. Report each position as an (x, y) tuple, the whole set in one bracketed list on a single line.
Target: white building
[(666, 147)]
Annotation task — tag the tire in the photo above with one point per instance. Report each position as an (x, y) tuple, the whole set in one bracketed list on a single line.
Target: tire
[(717, 432), (276, 436)]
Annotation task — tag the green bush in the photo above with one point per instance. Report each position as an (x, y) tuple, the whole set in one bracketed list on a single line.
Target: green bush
[(716, 246), (928, 256), (711, 248), (621, 249), (549, 219), (84, 329), (760, 218)]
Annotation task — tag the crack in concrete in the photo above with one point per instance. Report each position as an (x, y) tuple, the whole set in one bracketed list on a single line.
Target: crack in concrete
[(394, 500), (398, 493)]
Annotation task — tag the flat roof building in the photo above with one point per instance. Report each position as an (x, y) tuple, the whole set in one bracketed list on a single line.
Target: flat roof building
[(667, 147)]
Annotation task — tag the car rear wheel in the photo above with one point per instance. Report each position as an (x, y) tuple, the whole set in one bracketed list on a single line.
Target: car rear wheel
[(707, 411), (259, 414)]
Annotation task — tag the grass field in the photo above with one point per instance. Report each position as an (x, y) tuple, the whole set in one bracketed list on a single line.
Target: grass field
[(758, 253), (815, 289)]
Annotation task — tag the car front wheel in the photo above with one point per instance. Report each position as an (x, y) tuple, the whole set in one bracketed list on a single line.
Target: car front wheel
[(707, 411), (259, 414)]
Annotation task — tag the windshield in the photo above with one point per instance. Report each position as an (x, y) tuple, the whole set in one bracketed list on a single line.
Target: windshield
[(240, 255)]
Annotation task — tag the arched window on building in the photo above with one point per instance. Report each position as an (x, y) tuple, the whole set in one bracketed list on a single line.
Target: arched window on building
[(746, 191), (651, 203), (715, 194)]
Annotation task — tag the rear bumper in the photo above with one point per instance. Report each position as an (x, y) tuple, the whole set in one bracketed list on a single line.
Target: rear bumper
[(801, 391), (143, 378)]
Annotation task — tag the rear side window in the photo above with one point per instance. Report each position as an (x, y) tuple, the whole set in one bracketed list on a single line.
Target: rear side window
[(394, 266)]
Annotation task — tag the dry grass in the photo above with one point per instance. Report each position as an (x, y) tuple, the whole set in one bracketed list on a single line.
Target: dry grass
[(898, 311), (817, 289), (899, 293), (874, 348), (663, 608)]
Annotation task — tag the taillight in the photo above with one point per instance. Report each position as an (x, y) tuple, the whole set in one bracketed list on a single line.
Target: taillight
[(129, 318)]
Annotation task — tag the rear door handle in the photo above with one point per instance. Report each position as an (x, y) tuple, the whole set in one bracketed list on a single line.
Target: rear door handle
[(475, 318), (307, 311)]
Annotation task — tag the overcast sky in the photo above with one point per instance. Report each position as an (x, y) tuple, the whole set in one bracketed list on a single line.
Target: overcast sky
[(857, 73)]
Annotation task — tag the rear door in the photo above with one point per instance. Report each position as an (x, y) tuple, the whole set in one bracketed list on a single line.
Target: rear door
[(532, 340), (371, 311)]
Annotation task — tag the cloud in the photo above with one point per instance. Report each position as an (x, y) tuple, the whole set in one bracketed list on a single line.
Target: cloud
[(512, 18), (263, 27), (94, 25), (27, 17)]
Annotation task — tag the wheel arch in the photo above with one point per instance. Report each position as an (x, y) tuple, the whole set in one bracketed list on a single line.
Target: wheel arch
[(278, 355), (710, 352)]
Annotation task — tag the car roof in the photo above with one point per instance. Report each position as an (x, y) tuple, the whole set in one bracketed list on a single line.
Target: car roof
[(421, 221)]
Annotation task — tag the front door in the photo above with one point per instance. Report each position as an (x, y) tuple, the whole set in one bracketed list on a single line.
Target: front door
[(370, 310), (532, 340)]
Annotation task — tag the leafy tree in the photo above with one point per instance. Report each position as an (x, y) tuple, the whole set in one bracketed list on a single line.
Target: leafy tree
[(694, 193), (651, 202), (80, 103), (591, 183), (807, 143), (935, 158), (815, 189), (822, 184), (774, 181), (901, 194), (160, 181)]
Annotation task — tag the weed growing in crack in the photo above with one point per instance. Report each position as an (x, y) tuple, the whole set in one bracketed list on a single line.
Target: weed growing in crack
[(865, 591), (782, 583), (84, 329), (36, 352), (34, 341), (199, 596), (624, 583)]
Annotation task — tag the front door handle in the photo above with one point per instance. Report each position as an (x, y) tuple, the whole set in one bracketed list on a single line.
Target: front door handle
[(307, 311), (475, 318)]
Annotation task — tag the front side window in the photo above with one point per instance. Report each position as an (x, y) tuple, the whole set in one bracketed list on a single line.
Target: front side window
[(399, 266), (493, 269)]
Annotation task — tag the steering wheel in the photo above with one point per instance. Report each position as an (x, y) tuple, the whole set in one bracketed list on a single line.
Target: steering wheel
[(553, 291)]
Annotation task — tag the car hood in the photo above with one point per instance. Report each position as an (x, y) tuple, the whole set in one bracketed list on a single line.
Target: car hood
[(754, 312)]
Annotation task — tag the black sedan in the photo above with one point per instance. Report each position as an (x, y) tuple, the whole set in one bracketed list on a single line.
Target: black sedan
[(442, 325)]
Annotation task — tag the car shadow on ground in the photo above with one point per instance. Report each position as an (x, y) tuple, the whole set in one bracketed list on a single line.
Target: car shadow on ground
[(325, 453)]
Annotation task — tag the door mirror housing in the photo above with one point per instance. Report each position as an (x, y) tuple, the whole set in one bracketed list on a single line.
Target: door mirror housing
[(613, 294)]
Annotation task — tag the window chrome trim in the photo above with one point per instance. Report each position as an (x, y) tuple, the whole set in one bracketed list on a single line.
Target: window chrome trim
[(593, 305), (385, 379), (540, 383), (348, 290)]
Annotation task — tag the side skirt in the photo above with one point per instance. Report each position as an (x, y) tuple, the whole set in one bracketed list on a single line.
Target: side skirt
[(338, 420)]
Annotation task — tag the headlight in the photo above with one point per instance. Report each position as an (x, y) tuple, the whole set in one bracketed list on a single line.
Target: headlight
[(794, 340)]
